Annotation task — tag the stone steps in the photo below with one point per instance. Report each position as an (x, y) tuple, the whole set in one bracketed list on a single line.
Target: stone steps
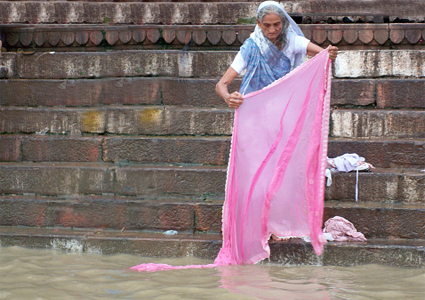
[(161, 180), (182, 120), (65, 37), (381, 93), (375, 220), (201, 13), (184, 64), (376, 251), (207, 150)]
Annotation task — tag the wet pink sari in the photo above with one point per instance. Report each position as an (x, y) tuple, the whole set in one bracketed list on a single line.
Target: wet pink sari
[(275, 179)]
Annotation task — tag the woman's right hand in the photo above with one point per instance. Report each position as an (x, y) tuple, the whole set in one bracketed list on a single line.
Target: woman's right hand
[(234, 100)]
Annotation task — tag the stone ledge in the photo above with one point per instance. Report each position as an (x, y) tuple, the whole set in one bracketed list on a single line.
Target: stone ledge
[(78, 179), (212, 150), (132, 120), (203, 182), (350, 36), (195, 64), (200, 13), (175, 120), (199, 92), (404, 253)]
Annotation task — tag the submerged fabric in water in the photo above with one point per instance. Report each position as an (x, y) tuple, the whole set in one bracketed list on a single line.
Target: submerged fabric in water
[(275, 178)]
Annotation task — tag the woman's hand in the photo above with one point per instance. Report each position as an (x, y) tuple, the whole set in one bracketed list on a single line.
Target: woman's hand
[(333, 52), (313, 49), (234, 100)]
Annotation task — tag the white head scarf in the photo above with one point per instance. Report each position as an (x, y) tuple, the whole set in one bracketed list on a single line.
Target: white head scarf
[(293, 26), (264, 44)]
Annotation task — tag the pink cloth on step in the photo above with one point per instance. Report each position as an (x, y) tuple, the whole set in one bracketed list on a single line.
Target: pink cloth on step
[(275, 179), (343, 230)]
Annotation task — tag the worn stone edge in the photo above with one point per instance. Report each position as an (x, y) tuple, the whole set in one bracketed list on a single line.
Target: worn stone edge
[(293, 252)]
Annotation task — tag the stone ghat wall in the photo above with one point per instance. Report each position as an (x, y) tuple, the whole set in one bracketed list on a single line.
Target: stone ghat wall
[(108, 115)]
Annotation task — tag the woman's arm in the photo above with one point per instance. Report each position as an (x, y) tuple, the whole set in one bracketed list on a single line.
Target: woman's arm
[(313, 49), (235, 99)]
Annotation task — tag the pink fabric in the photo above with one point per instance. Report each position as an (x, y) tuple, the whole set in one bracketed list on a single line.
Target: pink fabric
[(343, 230), (275, 178)]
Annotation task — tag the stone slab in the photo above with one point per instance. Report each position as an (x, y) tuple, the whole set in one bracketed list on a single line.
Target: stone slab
[(199, 92), (382, 153), (397, 93), (131, 120), (52, 120), (91, 92), (76, 179), (359, 92), (134, 63), (211, 151), (54, 148), (403, 253), (377, 63), (374, 123), (174, 120), (10, 147), (375, 251), (380, 185), (169, 120), (97, 212)]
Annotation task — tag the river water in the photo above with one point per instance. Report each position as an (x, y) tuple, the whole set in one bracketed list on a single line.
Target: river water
[(53, 274)]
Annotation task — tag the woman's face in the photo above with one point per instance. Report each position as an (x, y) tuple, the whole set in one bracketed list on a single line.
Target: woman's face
[(271, 26)]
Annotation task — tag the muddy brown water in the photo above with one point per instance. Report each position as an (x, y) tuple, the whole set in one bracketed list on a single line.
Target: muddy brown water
[(53, 274)]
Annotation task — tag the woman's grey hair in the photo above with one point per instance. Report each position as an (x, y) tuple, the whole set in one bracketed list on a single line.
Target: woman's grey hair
[(281, 40)]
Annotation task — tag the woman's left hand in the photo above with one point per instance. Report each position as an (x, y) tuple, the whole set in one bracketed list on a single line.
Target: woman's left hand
[(333, 52)]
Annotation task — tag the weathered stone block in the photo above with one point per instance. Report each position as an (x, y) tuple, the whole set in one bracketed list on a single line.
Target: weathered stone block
[(66, 149), (382, 153), (377, 123), (21, 178), (208, 216), (159, 216), (52, 120), (151, 181), (98, 64), (172, 150), (156, 120), (412, 187), (376, 63), (195, 92), (400, 93), (87, 213), (80, 92), (10, 147), (20, 212), (375, 186), (53, 179), (353, 92)]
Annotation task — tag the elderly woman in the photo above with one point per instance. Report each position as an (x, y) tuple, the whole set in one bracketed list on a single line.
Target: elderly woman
[(276, 47)]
